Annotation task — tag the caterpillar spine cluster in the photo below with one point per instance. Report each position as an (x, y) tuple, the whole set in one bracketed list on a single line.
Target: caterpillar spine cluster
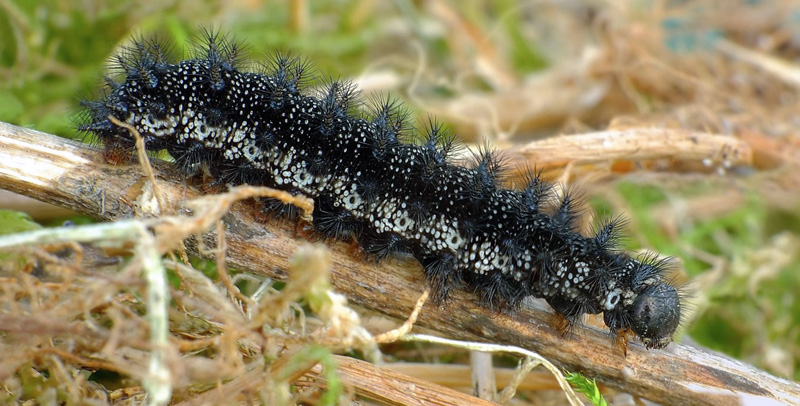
[(373, 177)]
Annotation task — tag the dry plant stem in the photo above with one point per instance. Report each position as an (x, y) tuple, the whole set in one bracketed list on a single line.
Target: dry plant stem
[(72, 175), (783, 70), (519, 375), (395, 334), (159, 381), (637, 144), (222, 267), (381, 384), (460, 376), (483, 384), (393, 388), (141, 153)]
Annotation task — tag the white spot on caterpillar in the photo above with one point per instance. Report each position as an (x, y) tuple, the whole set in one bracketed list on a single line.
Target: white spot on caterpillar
[(612, 299)]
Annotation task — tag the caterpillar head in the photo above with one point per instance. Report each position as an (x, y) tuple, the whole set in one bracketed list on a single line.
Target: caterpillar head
[(655, 315), (651, 309)]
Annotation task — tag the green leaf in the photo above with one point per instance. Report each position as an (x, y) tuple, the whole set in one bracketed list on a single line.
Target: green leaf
[(583, 385)]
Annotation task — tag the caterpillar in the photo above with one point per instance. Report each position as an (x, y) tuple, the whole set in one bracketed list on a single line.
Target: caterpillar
[(394, 188)]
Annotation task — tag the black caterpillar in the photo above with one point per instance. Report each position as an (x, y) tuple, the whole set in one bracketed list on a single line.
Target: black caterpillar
[(373, 177)]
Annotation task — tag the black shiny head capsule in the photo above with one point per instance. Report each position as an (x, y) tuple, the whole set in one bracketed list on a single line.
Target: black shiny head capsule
[(655, 315), (644, 304)]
